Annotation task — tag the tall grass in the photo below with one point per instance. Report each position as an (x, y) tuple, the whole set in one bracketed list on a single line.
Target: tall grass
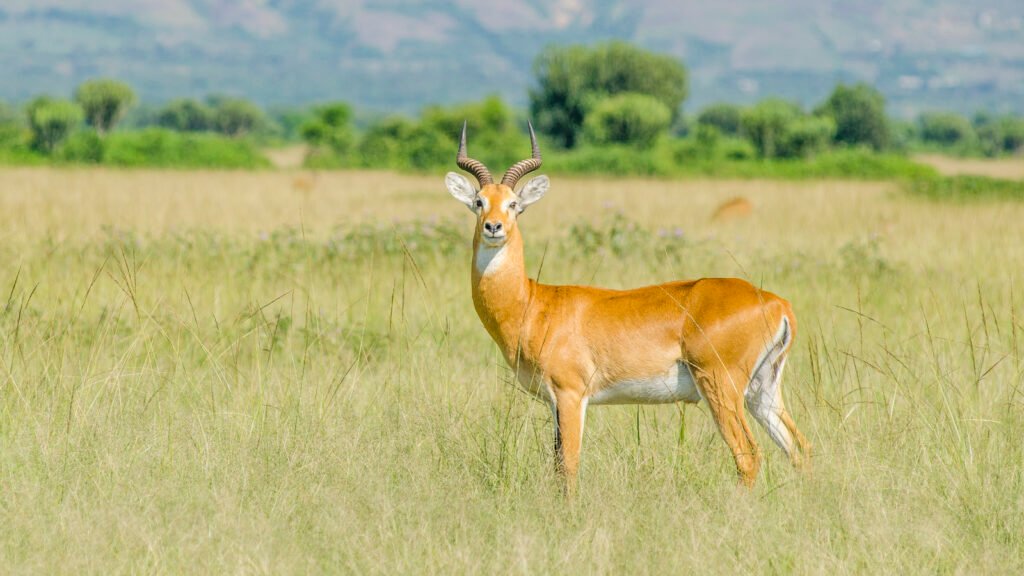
[(967, 188), (280, 390)]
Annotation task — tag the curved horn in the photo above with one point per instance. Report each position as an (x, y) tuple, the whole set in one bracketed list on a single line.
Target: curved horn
[(523, 167), (474, 167)]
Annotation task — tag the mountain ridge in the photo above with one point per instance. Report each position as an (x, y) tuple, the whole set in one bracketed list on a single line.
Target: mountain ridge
[(400, 55)]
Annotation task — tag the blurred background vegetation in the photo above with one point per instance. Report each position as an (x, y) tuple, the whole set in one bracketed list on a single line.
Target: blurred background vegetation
[(609, 108)]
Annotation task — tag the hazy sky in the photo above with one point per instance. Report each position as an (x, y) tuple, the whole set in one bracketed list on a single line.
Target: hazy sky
[(402, 54)]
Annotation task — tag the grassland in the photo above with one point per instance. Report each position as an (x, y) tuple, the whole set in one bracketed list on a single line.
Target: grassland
[(278, 373)]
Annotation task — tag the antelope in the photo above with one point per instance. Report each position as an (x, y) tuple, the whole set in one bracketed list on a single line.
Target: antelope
[(717, 339), (733, 209)]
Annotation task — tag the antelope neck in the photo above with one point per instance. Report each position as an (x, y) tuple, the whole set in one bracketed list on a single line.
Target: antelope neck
[(501, 290)]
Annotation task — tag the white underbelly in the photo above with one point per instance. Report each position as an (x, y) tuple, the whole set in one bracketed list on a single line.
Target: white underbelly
[(675, 385)]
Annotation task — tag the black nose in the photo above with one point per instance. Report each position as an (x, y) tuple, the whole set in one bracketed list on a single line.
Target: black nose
[(492, 227)]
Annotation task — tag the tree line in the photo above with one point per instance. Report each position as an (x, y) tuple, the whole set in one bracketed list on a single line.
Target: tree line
[(611, 96)]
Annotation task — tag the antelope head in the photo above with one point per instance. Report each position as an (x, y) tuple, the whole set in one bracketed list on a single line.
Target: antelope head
[(497, 206)]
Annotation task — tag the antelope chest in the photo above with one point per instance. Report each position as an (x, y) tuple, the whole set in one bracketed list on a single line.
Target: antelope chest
[(532, 380), (674, 385)]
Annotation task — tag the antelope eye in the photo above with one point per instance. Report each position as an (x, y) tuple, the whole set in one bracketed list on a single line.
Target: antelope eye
[(479, 203), (512, 205)]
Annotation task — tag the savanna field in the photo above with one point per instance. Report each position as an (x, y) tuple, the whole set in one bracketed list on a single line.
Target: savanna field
[(282, 372)]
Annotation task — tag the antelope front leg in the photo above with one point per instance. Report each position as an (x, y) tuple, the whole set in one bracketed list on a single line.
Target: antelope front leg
[(570, 411)]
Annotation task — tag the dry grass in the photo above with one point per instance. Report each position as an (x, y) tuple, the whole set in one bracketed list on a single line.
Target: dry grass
[(1007, 168), (214, 372)]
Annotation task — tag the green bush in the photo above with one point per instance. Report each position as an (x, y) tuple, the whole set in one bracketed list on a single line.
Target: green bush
[(84, 146), (494, 136), (104, 102), (946, 129), (627, 119), (428, 149), (780, 129), (330, 131), (396, 144), (706, 145), (290, 121), (805, 136), (765, 125), (736, 149), (158, 147), (724, 117), (903, 135), (234, 116), (1002, 135), (51, 121), (11, 132), (859, 115), (186, 115), (489, 115), (383, 145), (614, 159), (570, 79)]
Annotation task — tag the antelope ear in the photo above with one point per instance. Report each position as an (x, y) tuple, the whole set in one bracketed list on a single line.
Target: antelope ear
[(533, 191), (461, 189)]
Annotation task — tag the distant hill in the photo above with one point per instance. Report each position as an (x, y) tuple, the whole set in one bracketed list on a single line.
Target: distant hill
[(402, 54)]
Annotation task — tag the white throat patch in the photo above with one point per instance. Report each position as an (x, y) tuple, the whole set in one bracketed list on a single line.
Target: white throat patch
[(488, 259)]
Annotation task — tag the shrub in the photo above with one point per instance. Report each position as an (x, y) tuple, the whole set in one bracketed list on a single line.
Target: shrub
[(946, 129), (570, 79), (10, 129), (902, 134), (489, 115), (186, 115), (234, 116), (51, 121), (428, 149), (724, 117), (859, 115), (104, 102), (804, 136), (615, 159), (736, 149), (709, 146), (84, 146), (1003, 135), (399, 144), (494, 137), (290, 121), (627, 119), (765, 125), (383, 144), (329, 128), (158, 147)]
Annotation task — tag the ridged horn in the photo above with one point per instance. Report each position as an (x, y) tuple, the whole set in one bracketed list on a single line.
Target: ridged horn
[(523, 167), (474, 167)]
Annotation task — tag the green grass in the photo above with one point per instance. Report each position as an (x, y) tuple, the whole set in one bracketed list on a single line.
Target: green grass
[(325, 399), (168, 149), (149, 148), (967, 188), (669, 158), (21, 155), (668, 161)]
